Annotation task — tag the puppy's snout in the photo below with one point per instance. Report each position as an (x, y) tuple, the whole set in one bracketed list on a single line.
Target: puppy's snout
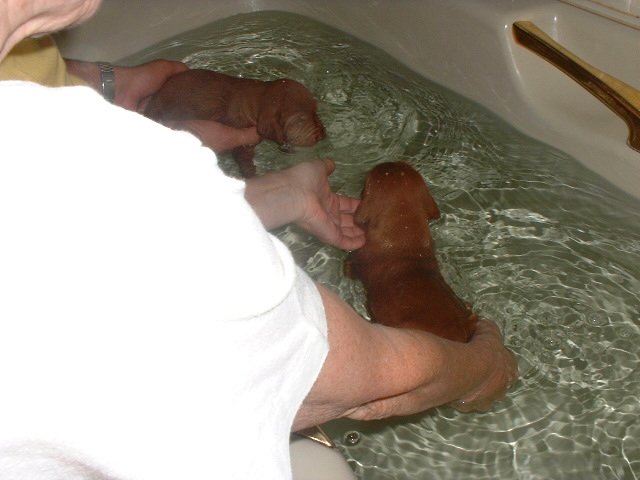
[(320, 132), (303, 130)]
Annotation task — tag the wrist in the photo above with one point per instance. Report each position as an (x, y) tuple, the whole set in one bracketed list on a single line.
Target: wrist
[(100, 76), (453, 369), (273, 199), (88, 72), (107, 81)]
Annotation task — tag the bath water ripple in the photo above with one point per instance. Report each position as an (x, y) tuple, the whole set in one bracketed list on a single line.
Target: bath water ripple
[(528, 236)]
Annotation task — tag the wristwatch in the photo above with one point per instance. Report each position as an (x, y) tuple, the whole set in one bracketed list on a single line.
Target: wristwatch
[(107, 81)]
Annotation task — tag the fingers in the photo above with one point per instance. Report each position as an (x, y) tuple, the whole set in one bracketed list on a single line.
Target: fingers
[(349, 240), (376, 410), (136, 84), (503, 373), (485, 328), (177, 67), (329, 165), (160, 69), (340, 236), (352, 236), (348, 205)]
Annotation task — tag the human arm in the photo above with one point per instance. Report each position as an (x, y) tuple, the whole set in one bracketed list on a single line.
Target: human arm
[(134, 85), (373, 371), (217, 136), (302, 195)]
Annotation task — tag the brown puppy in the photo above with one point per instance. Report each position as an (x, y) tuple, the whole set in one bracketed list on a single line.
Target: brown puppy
[(397, 264), (282, 110)]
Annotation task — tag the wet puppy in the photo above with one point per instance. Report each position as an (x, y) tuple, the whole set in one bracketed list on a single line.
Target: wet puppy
[(397, 264), (282, 110)]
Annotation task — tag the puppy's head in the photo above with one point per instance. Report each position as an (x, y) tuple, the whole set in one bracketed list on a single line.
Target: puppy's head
[(391, 191), (288, 115)]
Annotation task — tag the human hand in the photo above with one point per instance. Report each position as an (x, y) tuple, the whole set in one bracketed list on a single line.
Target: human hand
[(501, 370), (325, 214), (302, 195), (134, 85), (217, 136), (473, 376)]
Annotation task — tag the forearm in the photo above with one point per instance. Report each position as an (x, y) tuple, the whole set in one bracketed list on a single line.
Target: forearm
[(373, 371), (273, 198), (133, 85), (367, 362), (86, 71)]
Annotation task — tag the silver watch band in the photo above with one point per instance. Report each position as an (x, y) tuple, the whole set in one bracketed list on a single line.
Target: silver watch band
[(107, 81)]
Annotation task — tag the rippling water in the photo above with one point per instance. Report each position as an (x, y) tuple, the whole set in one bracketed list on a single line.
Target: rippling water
[(532, 239)]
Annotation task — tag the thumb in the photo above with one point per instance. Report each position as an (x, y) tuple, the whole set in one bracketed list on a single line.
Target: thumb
[(329, 165)]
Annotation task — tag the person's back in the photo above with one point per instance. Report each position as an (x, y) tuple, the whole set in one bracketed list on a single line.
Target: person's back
[(128, 317)]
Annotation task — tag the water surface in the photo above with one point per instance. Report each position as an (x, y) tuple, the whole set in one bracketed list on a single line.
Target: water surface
[(528, 236)]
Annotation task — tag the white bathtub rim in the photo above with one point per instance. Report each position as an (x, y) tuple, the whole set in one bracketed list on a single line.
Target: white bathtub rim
[(482, 62)]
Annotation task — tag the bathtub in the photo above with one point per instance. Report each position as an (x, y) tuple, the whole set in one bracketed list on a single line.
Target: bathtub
[(465, 45)]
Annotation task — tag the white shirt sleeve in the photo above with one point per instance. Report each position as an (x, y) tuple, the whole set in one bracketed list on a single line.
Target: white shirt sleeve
[(149, 326)]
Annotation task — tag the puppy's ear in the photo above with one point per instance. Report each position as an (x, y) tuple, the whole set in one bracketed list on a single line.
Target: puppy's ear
[(429, 204), (366, 208)]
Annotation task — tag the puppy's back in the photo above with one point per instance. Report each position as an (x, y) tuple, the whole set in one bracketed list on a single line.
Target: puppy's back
[(413, 294), (201, 94), (397, 264)]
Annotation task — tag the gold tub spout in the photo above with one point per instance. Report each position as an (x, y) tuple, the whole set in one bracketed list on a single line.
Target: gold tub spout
[(318, 435), (614, 93)]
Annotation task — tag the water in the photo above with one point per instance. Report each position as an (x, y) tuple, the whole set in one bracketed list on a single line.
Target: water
[(528, 236)]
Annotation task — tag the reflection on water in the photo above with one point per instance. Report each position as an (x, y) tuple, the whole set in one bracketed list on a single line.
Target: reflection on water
[(528, 236)]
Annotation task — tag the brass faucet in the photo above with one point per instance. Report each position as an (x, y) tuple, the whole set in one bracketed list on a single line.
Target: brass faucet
[(620, 97)]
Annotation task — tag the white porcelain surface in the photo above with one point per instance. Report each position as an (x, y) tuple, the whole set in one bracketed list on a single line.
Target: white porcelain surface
[(465, 45), (312, 461)]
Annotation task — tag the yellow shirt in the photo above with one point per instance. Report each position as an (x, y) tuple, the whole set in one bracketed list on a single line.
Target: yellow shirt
[(37, 60)]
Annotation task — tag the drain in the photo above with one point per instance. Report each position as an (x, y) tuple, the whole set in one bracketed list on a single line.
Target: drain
[(352, 438)]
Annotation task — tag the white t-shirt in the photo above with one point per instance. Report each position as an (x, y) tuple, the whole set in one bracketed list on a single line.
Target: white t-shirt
[(150, 328)]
